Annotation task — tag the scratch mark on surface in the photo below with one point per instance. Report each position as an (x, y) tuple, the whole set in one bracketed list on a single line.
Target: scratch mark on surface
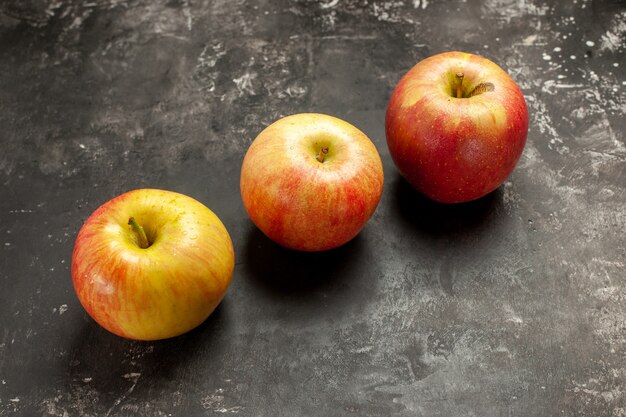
[(611, 40), (187, 13), (235, 409), (133, 376), (615, 155), (329, 5), (409, 366), (244, 83)]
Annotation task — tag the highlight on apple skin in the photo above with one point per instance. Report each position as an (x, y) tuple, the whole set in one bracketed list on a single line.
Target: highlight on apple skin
[(152, 264), (311, 181), (456, 125)]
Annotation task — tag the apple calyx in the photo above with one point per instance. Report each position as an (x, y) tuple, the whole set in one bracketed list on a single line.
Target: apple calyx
[(320, 156), (141, 234)]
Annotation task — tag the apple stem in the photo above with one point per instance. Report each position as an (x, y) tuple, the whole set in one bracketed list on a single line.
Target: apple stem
[(320, 156), (459, 84), (141, 234)]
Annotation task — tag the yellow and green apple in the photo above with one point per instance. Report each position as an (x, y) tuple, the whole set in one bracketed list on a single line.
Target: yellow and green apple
[(456, 126), (310, 181), (152, 264)]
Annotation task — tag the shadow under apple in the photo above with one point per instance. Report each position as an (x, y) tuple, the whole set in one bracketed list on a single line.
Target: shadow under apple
[(438, 219), (111, 365), (454, 237), (281, 271)]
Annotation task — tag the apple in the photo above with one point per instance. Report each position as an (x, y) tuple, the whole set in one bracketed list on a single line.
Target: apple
[(151, 264), (311, 181), (456, 126)]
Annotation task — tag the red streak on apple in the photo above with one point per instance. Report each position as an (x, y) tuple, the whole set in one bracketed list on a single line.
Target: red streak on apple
[(456, 149)]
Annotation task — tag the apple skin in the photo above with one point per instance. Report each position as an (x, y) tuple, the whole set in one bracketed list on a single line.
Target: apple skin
[(161, 291), (300, 202), (456, 149)]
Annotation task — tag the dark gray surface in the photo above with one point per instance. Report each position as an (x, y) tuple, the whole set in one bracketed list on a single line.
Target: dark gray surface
[(513, 305)]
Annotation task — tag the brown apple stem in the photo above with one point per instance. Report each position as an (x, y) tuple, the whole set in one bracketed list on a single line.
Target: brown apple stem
[(320, 156), (141, 234), (459, 84)]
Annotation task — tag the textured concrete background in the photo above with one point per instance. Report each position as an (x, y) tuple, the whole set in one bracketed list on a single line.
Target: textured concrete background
[(514, 305)]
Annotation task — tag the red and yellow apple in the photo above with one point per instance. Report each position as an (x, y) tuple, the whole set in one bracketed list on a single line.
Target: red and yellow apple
[(456, 126), (152, 264), (310, 181)]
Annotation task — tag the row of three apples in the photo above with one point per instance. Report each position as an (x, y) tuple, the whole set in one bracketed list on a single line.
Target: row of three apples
[(153, 264)]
